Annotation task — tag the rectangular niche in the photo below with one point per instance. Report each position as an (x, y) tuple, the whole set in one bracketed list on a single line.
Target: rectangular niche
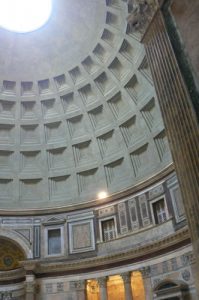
[(108, 144), (6, 160), (7, 134), (108, 37), (54, 132), (89, 65), (31, 190), (77, 127), (7, 109), (81, 236), (139, 159), (9, 87), (76, 75), (116, 172), (60, 187), (161, 143), (105, 84), (87, 180), (49, 108), (83, 153), (119, 69), (30, 134), (113, 3), (6, 189), (69, 103), (145, 70), (27, 88), (134, 88), (59, 158), (87, 94), (128, 130), (44, 86), (118, 105), (28, 110), (149, 113), (101, 53), (60, 82), (30, 161), (99, 117), (54, 239), (129, 51), (113, 19)]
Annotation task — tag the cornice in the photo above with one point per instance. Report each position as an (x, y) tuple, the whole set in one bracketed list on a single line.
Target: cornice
[(12, 275)]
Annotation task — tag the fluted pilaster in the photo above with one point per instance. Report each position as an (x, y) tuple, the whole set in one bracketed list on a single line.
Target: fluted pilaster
[(180, 121)]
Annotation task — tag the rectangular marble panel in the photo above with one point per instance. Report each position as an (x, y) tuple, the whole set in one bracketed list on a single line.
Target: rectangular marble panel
[(81, 236)]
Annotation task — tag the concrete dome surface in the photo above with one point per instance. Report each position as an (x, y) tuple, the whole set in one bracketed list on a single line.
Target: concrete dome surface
[(78, 110)]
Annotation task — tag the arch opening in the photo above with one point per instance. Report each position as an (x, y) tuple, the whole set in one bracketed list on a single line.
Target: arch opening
[(10, 255)]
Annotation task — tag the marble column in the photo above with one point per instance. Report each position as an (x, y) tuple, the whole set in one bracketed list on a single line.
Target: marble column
[(80, 287), (102, 281), (127, 285), (147, 282), (180, 121)]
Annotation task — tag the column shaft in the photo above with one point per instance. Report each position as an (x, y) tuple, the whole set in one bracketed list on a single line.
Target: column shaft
[(103, 288), (180, 121), (127, 285)]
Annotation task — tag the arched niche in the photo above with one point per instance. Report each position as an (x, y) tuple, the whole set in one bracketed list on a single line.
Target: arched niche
[(10, 254), (17, 240)]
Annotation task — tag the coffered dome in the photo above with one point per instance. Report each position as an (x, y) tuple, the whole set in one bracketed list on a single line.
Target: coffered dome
[(78, 110)]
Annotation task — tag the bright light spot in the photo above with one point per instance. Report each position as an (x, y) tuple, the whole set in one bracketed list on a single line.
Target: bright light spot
[(102, 195), (24, 15)]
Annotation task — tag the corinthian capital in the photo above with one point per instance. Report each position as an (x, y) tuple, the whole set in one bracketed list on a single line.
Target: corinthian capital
[(146, 271), (102, 281), (126, 277), (141, 13)]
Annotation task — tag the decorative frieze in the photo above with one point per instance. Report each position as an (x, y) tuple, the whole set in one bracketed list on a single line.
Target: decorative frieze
[(77, 285), (158, 190), (109, 210)]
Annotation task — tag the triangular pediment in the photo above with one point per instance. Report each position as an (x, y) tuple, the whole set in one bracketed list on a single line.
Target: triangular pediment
[(54, 220)]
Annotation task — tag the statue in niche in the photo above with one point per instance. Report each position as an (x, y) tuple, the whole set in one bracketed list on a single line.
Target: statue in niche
[(141, 12)]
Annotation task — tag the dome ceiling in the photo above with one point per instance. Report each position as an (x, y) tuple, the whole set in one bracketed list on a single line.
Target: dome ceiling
[(78, 111)]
